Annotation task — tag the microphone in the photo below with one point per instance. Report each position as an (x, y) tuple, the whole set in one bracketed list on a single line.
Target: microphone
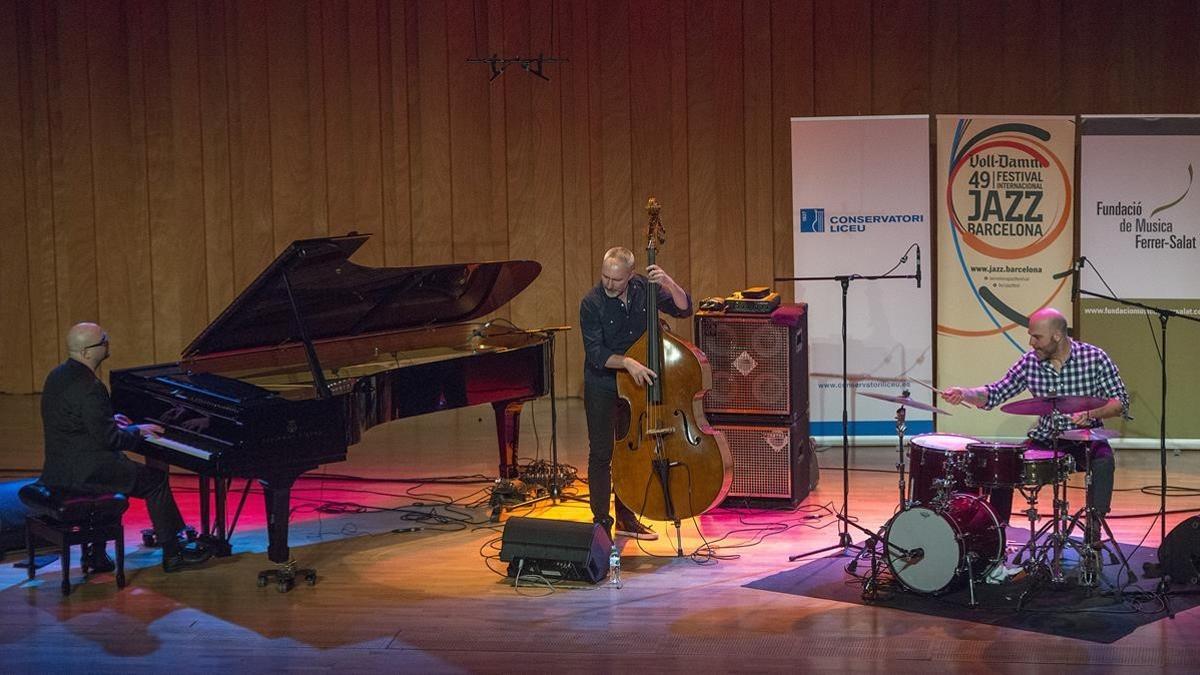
[(914, 555), (1075, 279), (1076, 265), (918, 265)]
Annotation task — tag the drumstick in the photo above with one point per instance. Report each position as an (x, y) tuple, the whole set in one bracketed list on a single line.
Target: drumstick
[(937, 391)]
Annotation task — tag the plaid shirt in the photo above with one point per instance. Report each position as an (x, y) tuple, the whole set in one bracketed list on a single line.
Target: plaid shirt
[(1088, 371)]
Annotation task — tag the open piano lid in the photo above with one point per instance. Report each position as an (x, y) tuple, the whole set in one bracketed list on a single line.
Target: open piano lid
[(338, 298)]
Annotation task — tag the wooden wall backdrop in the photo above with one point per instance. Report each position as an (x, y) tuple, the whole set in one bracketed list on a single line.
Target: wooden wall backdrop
[(155, 155)]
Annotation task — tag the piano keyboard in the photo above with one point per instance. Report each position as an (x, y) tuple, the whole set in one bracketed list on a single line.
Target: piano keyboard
[(186, 449)]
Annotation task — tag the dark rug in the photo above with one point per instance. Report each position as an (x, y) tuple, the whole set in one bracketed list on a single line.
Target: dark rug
[(1098, 615)]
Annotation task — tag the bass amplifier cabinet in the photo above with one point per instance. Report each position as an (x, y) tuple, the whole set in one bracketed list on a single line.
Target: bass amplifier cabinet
[(773, 464), (759, 364), (555, 549), (759, 399)]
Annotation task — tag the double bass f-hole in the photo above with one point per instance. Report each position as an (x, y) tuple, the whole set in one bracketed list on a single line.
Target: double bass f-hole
[(692, 439)]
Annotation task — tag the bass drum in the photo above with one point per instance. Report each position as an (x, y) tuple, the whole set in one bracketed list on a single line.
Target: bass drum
[(939, 544)]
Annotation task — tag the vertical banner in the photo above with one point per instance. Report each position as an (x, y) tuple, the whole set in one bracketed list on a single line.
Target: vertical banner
[(1139, 221), (860, 201), (1005, 226)]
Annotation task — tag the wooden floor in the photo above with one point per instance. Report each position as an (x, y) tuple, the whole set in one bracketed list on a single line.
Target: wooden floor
[(426, 600)]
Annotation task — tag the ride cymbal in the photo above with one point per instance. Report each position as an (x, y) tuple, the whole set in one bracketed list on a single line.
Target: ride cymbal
[(1044, 405)]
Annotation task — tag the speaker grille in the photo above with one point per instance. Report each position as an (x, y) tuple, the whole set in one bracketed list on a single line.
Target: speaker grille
[(762, 461), (750, 363)]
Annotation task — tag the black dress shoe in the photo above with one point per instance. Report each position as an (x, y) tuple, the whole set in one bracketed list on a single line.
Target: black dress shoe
[(634, 529), (176, 558), (97, 559)]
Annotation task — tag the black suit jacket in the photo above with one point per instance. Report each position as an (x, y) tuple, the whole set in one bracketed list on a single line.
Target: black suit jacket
[(83, 444)]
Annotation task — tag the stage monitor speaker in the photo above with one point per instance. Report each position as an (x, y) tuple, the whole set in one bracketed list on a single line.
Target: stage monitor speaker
[(555, 549), (1179, 554), (759, 366), (771, 462)]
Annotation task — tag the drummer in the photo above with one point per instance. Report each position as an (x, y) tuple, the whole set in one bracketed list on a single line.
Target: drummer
[(1056, 365)]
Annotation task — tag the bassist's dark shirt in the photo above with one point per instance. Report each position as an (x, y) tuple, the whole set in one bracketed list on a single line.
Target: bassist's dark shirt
[(610, 326)]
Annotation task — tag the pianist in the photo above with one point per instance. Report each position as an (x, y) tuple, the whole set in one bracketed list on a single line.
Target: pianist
[(612, 316), (85, 442)]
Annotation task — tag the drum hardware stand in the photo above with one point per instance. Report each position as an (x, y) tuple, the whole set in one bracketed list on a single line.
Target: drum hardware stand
[(1032, 514), (901, 427), (971, 579), (845, 543), (1037, 566), (1164, 314), (1090, 563)]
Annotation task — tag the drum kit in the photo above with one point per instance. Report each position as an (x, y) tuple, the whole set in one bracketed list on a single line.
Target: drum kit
[(945, 532)]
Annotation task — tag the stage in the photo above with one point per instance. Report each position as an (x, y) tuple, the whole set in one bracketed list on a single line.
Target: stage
[(406, 585)]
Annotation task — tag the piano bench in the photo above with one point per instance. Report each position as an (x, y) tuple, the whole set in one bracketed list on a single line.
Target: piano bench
[(68, 518)]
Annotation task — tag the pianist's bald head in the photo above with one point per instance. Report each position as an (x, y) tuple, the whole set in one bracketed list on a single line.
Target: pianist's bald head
[(88, 344)]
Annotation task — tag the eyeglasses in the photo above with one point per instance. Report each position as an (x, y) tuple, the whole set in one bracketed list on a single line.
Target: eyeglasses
[(102, 343)]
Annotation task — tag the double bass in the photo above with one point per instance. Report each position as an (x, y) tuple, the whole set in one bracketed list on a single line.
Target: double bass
[(668, 464)]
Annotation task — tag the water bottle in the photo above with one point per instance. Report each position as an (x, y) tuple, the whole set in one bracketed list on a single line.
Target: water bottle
[(614, 567)]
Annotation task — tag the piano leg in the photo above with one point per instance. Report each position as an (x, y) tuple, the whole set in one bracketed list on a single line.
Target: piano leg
[(222, 485), (508, 432), (277, 494), (278, 502), (215, 541), (205, 513)]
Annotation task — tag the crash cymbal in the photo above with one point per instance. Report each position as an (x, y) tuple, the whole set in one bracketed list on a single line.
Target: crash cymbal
[(907, 402), (1044, 405), (1089, 435)]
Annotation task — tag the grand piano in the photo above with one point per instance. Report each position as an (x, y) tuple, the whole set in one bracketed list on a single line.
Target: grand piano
[(319, 349)]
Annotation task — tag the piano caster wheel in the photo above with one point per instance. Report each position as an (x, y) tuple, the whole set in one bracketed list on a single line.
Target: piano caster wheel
[(262, 580), (311, 578), (285, 585)]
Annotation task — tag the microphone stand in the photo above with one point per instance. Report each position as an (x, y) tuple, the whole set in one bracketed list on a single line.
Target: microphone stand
[(553, 489), (844, 541), (1163, 315)]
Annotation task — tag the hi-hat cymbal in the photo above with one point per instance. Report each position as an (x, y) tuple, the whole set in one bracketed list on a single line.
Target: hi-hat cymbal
[(1089, 435), (907, 402), (1044, 405)]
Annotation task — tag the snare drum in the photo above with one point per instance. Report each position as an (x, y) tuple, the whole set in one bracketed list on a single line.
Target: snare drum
[(992, 465), (945, 545), (937, 462), (1041, 467)]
